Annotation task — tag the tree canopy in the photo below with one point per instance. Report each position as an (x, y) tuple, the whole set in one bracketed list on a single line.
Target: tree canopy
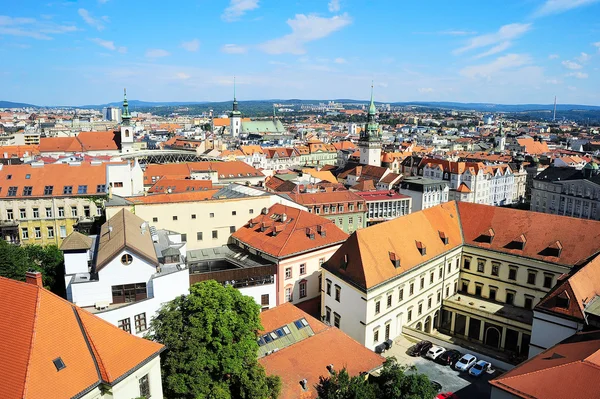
[(394, 382), (15, 261), (211, 347)]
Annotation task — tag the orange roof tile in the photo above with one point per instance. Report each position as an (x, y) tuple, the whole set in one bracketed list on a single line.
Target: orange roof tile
[(84, 141), (31, 340), (18, 151), (308, 359), (566, 370), (366, 253), (580, 238), (179, 185), (58, 176), (295, 238), (224, 170)]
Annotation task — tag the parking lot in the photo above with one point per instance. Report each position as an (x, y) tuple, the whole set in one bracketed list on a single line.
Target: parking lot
[(461, 383)]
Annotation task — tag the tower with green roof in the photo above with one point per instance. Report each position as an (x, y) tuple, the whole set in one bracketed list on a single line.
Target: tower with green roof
[(369, 144), (235, 116), (126, 128), (500, 139)]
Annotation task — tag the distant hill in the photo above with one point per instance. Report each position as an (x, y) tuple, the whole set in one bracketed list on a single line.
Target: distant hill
[(9, 104), (488, 107)]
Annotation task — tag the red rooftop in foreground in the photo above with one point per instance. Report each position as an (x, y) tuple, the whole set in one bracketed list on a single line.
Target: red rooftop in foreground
[(50, 348), (320, 347)]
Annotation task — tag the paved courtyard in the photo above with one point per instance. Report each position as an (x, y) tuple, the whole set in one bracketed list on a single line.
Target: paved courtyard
[(464, 385)]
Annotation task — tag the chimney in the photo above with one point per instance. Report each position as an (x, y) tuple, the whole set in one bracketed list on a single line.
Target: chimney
[(330, 368), (34, 278), (304, 384)]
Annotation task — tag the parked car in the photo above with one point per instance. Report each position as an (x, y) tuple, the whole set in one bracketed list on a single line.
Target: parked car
[(436, 385), (479, 368), (465, 362), (419, 349), (447, 395), (434, 352), (449, 357)]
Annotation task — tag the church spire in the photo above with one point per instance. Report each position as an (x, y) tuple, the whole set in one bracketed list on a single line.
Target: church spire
[(372, 109), (235, 103), (126, 116)]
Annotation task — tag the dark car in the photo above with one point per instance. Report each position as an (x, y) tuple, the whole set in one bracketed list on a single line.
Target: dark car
[(449, 357), (419, 349), (436, 385)]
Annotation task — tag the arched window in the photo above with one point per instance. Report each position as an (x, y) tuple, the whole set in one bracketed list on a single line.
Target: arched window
[(126, 132)]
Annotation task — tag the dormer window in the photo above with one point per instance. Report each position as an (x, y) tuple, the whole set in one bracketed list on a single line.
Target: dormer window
[(562, 300), (486, 237), (421, 247), (444, 237), (395, 259)]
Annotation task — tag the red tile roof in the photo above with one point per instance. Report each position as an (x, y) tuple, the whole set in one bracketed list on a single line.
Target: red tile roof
[(570, 369), (180, 185), (308, 359), (225, 170), (47, 327), (273, 235), (58, 176), (579, 238), (366, 254), (84, 141), (578, 289)]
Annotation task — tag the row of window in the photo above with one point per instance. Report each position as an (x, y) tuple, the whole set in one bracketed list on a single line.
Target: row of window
[(10, 213), (140, 323), (335, 208), (302, 269), (37, 232), (210, 215), (509, 297), (214, 233), (49, 190), (513, 272)]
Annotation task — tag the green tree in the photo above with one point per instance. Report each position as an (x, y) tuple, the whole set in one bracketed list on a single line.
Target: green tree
[(395, 382), (341, 386), (15, 261), (210, 336)]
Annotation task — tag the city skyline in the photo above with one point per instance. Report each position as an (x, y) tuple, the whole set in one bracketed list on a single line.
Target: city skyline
[(513, 52)]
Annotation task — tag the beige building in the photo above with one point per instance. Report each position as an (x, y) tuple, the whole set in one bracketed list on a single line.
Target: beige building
[(205, 218), (494, 264), (43, 204)]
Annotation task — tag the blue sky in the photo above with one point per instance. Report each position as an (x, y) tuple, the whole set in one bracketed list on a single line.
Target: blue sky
[(504, 51)]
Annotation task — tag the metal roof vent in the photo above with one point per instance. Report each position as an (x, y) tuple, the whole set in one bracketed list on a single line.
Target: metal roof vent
[(304, 384)]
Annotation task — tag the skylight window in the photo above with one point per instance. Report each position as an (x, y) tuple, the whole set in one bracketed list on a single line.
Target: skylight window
[(59, 364)]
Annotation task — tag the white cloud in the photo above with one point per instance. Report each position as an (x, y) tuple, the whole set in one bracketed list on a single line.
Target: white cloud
[(157, 53), (182, 75), (237, 8), (305, 28), (553, 81), (30, 27), (504, 34), (559, 6), (233, 49), (425, 90), (578, 75), (334, 5), (597, 45), (553, 56), (583, 57), (340, 60), (494, 50), (89, 19), (192, 45), (109, 45), (509, 61), (571, 65)]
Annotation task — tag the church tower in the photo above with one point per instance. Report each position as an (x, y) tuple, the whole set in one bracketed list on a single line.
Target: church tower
[(235, 116), (369, 143), (500, 139), (126, 128)]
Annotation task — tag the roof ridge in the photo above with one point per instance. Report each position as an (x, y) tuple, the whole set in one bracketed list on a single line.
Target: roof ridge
[(33, 335), (94, 351)]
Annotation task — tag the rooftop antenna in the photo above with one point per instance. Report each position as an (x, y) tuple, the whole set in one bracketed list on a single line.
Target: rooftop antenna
[(554, 115)]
